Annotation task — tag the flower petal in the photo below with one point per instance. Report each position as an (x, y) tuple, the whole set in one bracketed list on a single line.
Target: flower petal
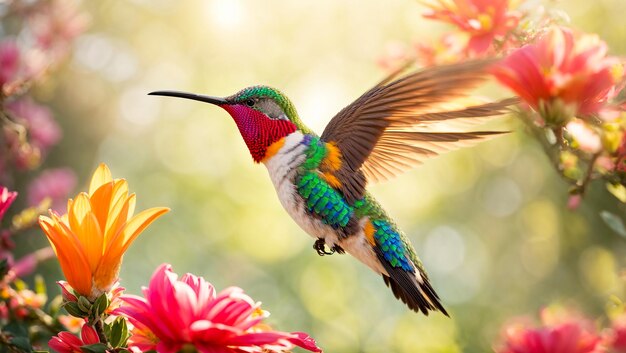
[(131, 230), (71, 258), (101, 176), (92, 240), (100, 200), (89, 335)]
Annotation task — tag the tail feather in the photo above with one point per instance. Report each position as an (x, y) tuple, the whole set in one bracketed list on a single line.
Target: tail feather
[(416, 293)]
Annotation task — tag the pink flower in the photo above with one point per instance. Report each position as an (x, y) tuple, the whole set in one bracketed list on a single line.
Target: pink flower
[(55, 25), (55, 184), (26, 265), (449, 48), (9, 61), (560, 333), (561, 75), (483, 20), (6, 199), (187, 311), (43, 130), (115, 297), (66, 342)]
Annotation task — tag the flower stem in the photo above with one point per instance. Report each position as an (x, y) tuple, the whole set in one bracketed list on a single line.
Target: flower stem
[(46, 321), (5, 341), (99, 326), (588, 174), (551, 150)]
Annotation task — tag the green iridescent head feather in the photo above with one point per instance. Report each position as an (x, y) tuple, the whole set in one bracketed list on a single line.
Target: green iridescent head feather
[(277, 96)]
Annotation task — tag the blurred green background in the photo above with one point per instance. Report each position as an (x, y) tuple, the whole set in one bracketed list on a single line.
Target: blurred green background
[(490, 222)]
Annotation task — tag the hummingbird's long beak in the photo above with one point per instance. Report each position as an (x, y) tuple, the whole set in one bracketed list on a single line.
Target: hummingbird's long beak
[(196, 97)]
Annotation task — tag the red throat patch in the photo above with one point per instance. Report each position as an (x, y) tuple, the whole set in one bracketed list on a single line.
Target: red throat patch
[(257, 129)]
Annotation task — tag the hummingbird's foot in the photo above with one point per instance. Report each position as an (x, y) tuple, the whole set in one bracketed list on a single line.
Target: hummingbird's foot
[(338, 249), (320, 247)]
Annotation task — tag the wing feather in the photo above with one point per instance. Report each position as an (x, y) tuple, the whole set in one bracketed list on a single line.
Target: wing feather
[(389, 129)]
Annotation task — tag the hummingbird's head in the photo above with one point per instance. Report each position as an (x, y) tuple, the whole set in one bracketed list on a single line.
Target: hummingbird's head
[(263, 115)]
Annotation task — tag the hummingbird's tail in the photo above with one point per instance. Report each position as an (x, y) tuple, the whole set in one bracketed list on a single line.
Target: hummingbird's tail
[(412, 288)]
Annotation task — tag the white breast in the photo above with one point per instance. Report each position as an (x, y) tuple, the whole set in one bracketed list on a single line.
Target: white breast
[(282, 168)]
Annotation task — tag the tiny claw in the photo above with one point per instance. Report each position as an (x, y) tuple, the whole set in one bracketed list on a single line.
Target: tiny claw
[(338, 249), (320, 247)]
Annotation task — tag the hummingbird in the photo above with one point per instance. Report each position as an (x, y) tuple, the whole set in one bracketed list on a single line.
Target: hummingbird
[(321, 180)]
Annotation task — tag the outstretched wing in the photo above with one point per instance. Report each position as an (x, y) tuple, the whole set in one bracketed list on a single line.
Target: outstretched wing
[(389, 128)]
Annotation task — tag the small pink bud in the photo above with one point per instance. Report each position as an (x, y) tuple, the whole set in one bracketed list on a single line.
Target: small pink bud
[(89, 335), (66, 292), (574, 201)]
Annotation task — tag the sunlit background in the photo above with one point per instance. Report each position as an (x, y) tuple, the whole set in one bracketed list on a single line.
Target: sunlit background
[(489, 223)]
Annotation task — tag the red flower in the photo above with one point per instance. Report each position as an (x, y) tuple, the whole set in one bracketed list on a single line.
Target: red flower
[(66, 342), (617, 336), (561, 75), (483, 20), (561, 333), (187, 311)]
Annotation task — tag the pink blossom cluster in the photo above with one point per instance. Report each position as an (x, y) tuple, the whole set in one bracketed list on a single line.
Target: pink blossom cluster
[(563, 330), (481, 28), (41, 42), (38, 40), (571, 88)]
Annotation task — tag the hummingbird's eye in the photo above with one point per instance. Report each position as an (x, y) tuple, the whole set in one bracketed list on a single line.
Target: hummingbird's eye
[(250, 102)]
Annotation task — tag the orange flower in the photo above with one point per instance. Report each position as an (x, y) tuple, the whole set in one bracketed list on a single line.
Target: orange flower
[(92, 237)]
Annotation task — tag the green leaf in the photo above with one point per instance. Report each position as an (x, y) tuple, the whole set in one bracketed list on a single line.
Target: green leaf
[(55, 305), (118, 332), (614, 222), (22, 343), (40, 285), (84, 304), (16, 329), (73, 309), (94, 348), (101, 304)]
